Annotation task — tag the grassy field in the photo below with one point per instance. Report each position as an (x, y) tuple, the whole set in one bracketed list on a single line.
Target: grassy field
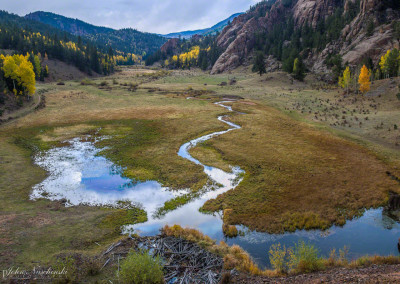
[(302, 171), (146, 129), (297, 176)]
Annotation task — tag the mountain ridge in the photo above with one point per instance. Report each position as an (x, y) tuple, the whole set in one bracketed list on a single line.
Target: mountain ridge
[(216, 28), (127, 40)]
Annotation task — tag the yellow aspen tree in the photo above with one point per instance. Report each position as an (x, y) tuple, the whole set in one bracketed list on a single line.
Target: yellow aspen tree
[(345, 79), (19, 69), (383, 61), (364, 80), (37, 66), (9, 68)]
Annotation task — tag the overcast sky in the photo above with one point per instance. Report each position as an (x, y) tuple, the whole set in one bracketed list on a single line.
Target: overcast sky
[(157, 16)]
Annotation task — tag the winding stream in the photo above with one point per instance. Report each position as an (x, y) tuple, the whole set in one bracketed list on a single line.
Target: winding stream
[(78, 175), (189, 214)]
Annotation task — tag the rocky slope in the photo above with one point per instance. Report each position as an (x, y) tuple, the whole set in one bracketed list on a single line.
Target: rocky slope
[(238, 39)]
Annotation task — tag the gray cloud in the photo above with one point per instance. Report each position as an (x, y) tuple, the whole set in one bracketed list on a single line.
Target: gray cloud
[(158, 16)]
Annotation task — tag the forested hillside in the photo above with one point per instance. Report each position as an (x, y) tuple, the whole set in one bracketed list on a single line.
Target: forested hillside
[(26, 36), (125, 40), (199, 51), (326, 34)]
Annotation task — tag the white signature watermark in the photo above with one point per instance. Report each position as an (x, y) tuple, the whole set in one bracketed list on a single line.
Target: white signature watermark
[(16, 273)]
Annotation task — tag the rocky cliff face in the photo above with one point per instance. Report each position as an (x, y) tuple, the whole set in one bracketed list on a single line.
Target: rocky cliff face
[(356, 44), (237, 39), (311, 11), (171, 46)]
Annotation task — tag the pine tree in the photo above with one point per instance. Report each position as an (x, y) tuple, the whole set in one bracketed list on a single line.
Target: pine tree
[(370, 28), (259, 64), (204, 63), (392, 63), (364, 79)]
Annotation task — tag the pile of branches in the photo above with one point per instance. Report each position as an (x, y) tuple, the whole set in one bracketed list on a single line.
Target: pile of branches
[(185, 262)]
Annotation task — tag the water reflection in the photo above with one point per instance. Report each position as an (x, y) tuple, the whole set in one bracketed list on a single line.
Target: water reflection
[(78, 175)]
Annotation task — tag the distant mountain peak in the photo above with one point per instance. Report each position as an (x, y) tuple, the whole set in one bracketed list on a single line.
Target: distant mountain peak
[(214, 29)]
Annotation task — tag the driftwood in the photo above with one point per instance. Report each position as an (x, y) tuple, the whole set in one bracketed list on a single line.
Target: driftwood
[(185, 262)]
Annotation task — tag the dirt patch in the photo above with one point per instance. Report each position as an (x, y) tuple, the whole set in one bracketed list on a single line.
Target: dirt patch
[(248, 103), (372, 274), (42, 219), (5, 223), (61, 71)]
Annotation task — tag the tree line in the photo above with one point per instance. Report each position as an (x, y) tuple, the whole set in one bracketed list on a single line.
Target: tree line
[(84, 56), (200, 52), (359, 79)]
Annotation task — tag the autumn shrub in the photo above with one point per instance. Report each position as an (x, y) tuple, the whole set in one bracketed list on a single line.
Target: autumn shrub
[(304, 258), (141, 268), (337, 260), (239, 259), (86, 82), (277, 257)]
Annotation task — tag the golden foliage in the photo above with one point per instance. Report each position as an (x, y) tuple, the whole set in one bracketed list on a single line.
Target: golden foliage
[(382, 62), (19, 69), (186, 59), (363, 80), (345, 80)]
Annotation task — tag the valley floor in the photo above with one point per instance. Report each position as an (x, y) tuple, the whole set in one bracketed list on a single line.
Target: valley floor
[(313, 157)]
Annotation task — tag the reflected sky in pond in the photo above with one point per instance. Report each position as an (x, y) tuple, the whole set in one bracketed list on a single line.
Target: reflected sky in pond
[(78, 175)]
